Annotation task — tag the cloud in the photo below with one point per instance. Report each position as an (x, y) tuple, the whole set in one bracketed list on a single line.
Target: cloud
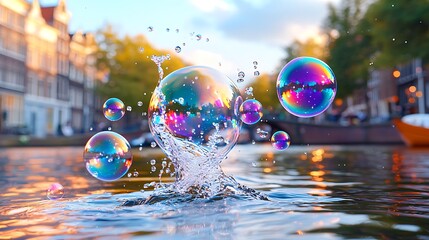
[(213, 5), (270, 22)]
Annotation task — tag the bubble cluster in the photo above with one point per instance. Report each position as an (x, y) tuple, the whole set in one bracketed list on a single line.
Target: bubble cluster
[(280, 140), (114, 109), (195, 109), (55, 191), (107, 156), (251, 111), (306, 86)]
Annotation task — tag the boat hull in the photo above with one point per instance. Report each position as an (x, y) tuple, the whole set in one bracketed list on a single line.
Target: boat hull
[(412, 135)]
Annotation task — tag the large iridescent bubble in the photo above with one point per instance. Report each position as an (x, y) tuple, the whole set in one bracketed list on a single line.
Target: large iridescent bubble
[(107, 156), (306, 86), (194, 111)]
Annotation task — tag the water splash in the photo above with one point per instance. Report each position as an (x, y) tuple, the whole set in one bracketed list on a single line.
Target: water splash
[(158, 60)]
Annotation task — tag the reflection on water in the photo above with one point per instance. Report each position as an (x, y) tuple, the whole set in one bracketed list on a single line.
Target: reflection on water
[(328, 192)]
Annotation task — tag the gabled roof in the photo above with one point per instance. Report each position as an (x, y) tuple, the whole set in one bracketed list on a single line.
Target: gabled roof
[(48, 14)]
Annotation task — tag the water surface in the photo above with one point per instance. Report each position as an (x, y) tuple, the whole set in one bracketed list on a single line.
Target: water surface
[(324, 192)]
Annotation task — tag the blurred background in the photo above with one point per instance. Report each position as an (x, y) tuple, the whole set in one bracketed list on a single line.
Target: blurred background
[(60, 60)]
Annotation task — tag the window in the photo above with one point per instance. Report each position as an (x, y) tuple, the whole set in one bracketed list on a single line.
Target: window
[(40, 88)]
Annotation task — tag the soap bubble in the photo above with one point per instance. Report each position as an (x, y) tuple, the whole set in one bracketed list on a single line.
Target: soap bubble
[(250, 111), (55, 191), (107, 156), (306, 86), (280, 140), (191, 109), (178, 49), (114, 109), (241, 74)]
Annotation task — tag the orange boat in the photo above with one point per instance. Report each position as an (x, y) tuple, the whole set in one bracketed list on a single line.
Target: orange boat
[(414, 129)]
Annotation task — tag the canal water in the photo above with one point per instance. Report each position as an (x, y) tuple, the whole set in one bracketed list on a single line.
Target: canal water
[(314, 192)]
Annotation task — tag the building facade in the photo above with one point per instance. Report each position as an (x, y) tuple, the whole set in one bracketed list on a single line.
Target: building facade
[(44, 74), (13, 50)]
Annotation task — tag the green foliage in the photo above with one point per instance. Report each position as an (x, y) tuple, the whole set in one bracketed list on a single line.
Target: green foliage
[(400, 30), (132, 75)]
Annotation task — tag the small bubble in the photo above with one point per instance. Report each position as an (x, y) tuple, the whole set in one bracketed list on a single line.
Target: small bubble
[(393, 39), (256, 73), (177, 30), (109, 128), (253, 142), (139, 103), (144, 113), (90, 129), (371, 63), (255, 63), (406, 41), (129, 108), (55, 191), (241, 74), (198, 37), (150, 28), (135, 174), (141, 49), (240, 80), (129, 174), (153, 169), (152, 162), (253, 164), (178, 49), (164, 164), (183, 44), (167, 29), (153, 144), (207, 39), (140, 148)]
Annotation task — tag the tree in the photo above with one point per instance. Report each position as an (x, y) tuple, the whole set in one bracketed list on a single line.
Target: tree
[(310, 48), (264, 90), (399, 30), (132, 74), (349, 42)]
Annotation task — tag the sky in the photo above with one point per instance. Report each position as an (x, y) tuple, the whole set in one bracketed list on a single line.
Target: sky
[(239, 32)]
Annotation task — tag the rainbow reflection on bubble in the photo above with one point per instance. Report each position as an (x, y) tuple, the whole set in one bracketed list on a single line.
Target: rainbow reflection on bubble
[(114, 109), (195, 108), (306, 86), (250, 111), (107, 156), (280, 140), (55, 191)]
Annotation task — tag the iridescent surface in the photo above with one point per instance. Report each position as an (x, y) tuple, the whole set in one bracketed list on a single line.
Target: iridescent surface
[(114, 109), (55, 191), (196, 107), (280, 140), (306, 86), (107, 156), (316, 192), (250, 111)]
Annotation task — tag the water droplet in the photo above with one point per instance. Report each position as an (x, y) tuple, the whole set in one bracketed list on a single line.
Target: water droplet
[(240, 80), (153, 144), (144, 113), (140, 148), (253, 164), (109, 128), (150, 28), (256, 73), (90, 129), (139, 103), (167, 29), (393, 39), (141, 49), (177, 30), (178, 49), (255, 63), (153, 169), (253, 142), (129, 108), (152, 162), (207, 39), (135, 174), (241, 74), (164, 164), (198, 37), (249, 91), (129, 174)]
